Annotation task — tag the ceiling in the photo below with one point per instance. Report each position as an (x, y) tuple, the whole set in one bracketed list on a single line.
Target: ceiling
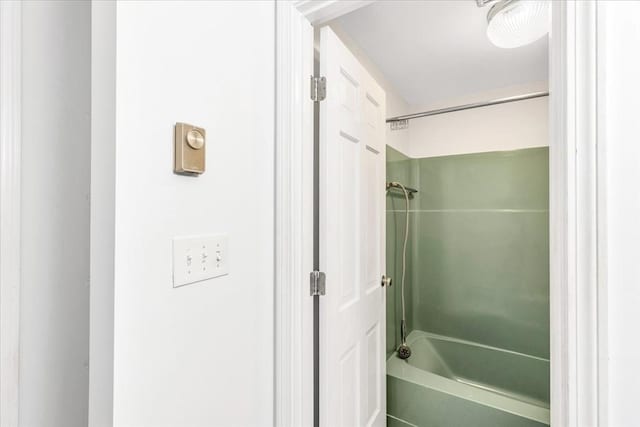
[(431, 51)]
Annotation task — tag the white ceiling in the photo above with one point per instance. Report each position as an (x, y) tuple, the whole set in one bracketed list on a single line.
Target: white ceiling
[(431, 51)]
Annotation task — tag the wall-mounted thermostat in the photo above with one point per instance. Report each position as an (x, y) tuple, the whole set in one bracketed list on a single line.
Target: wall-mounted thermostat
[(189, 149)]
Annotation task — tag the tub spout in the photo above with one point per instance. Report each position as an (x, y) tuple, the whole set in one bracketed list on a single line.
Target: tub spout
[(404, 352)]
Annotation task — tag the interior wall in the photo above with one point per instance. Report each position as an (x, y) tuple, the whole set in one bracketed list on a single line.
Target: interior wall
[(102, 244), (54, 306), (619, 234), (510, 126), (200, 354)]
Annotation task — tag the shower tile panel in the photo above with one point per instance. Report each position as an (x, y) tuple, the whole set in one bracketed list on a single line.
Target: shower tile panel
[(499, 180), (398, 169), (484, 277), (478, 251)]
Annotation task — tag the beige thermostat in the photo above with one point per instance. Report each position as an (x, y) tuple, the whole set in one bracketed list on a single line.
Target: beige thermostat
[(189, 149)]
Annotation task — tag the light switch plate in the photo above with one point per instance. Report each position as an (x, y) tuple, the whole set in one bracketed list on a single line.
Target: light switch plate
[(199, 258)]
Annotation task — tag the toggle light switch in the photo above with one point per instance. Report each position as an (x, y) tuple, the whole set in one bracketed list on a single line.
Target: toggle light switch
[(199, 258), (189, 142)]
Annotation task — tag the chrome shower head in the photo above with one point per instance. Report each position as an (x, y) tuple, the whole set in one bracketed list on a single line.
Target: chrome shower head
[(410, 192)]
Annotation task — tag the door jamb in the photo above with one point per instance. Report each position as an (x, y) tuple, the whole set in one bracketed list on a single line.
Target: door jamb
[(578, 313), (10, 199), (576, 204), (293, 380)]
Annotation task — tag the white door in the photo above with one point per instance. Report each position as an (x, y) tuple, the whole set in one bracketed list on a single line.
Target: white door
[(352, 187)]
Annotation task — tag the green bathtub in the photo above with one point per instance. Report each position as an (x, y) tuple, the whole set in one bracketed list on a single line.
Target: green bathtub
[(454, 383)]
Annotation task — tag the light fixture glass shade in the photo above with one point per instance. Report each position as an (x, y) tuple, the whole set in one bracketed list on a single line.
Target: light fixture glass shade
[(514, 23)]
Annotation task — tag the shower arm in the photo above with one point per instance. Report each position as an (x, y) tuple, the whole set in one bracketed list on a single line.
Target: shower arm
[(393, 185)]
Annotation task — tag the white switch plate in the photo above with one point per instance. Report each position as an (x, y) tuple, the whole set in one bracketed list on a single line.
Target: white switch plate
[(199, 258)]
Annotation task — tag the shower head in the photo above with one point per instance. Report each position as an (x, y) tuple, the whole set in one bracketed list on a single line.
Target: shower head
[(392, 184), (410, 191)]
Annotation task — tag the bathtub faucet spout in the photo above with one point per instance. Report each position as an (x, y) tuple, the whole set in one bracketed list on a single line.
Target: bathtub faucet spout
[(404, 352)]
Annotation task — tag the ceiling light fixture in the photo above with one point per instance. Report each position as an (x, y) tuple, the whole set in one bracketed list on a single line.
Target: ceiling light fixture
[(515, 23)]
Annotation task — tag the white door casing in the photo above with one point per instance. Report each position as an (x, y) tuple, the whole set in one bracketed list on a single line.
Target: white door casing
[(294, 219), (352, 173), (10, 210), (562, 76)]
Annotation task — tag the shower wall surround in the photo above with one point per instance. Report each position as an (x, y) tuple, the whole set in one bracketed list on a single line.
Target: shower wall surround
[(400, 169), (478, 257)]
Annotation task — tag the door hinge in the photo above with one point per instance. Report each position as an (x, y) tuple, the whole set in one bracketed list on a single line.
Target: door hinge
[(318, 88), (317, 280)]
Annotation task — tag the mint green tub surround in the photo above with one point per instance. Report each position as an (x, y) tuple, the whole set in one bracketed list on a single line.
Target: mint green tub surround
[(477, 285), (481, 248), (450, 383)]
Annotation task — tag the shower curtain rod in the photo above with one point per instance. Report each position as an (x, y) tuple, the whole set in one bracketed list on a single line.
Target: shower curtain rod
[(469, 106)]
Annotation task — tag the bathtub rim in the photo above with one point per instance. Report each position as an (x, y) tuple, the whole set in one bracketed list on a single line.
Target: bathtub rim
[(402, 370), (416, 334)]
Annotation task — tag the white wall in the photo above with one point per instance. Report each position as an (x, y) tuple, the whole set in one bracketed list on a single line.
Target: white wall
[(510, 126), (202, 354), (619, 140), (103, 182), (54, 307)]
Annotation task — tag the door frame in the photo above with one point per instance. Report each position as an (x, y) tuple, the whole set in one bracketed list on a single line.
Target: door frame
[(294, 181), (577, 245), (577, 198), (10, 199), (577, 202)]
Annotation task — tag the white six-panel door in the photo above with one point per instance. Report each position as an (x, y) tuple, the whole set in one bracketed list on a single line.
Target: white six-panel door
[(352, 188)]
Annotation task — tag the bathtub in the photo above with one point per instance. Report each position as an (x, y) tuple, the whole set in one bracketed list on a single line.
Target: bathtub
[(453, 383)]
